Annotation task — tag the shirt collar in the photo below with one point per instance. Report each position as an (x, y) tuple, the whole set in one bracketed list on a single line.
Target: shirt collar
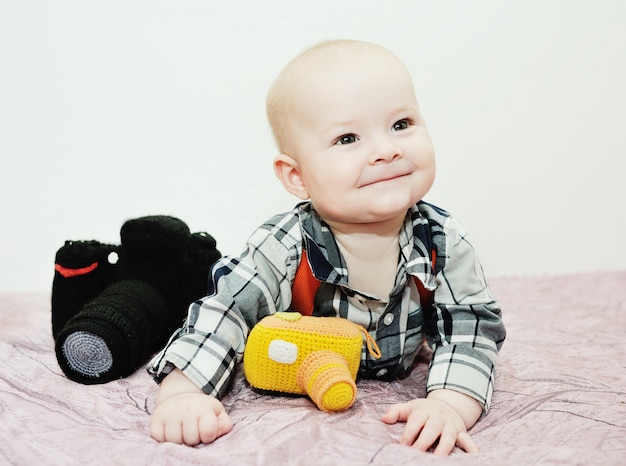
[(327, 263), (416, 244)]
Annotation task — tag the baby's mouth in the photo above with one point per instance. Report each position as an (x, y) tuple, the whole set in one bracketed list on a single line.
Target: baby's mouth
[(384, 179)]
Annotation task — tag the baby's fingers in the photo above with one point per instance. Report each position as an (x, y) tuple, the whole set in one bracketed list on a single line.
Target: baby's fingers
[(466, 442), (213, 427), (173, 432), (449, 439), (416, 433), (398, 412), (207, 428), (190, 432), (157, 430), (422, 431)]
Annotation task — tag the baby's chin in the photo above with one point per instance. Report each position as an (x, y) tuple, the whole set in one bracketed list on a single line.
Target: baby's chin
[(391, 205), (366, 216)]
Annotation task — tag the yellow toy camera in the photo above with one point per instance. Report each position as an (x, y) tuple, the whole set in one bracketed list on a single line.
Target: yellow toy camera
[(315, 356)]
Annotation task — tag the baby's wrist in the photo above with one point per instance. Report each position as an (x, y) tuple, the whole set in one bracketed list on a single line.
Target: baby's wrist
[(464, 405)]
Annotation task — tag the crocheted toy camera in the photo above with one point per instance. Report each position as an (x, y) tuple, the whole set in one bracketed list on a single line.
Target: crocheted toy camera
[(113, 306), (315, 356)]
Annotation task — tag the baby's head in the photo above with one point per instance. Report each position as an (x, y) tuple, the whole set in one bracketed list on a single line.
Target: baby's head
[(350, 133), (284, 94)]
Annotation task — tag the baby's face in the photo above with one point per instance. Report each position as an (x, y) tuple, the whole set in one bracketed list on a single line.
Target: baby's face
[(359, 138)]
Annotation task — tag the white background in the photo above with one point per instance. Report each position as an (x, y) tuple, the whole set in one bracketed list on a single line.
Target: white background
[(117, 109)]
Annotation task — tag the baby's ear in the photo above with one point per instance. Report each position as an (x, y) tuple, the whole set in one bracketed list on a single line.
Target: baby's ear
[(288, 172)]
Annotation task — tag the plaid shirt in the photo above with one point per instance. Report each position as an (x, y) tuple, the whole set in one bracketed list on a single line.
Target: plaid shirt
[(464, 327)]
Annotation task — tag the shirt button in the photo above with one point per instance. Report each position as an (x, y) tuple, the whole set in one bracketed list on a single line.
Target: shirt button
[(381, 372), (388, 319)]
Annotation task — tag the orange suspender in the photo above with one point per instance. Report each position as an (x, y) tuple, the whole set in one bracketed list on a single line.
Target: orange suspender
[(305, 285)]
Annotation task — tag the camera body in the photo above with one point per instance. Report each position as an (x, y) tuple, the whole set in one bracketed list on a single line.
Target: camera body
[(315, 356)]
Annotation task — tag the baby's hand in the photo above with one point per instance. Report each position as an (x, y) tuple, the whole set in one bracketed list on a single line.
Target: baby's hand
[(185, 414), (190, 418), (428, 420)]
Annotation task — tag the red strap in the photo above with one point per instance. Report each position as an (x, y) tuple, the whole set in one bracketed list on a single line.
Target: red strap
[(68, 273), (305, 286)]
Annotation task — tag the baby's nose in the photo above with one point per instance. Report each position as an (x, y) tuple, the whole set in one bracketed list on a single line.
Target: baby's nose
[(386, 152)]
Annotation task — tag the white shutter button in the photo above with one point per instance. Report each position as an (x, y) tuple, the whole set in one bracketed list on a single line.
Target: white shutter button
[(388, 319)]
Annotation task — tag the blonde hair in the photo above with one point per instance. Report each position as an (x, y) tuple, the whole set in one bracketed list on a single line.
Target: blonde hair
[(280, 103)]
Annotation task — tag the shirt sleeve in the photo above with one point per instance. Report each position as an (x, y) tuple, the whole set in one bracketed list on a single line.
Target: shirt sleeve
[(245, 289), (465, 329)]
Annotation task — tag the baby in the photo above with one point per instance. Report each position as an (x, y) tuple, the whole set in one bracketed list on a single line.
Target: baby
[(355, 149)]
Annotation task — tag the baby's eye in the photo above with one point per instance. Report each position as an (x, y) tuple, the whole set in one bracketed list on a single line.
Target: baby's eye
[(401, 124), (346, 139)]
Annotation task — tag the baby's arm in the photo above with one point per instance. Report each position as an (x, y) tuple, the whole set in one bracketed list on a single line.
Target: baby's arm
[(185, 414), (443, 416)]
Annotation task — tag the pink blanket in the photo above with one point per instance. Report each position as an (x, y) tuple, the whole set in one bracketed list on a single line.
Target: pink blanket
[(560, 396)]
